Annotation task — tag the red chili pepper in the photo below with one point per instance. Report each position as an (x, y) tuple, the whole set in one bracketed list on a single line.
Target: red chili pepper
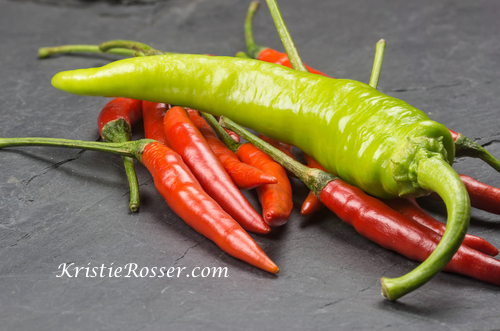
[(276, 199), (153, 114), (482, 196), (243, 175), (311, 204), (179, 187), (183, 193), (184, 138), (388, 228), (411, 209), (115, 125), (264, 53), (382, 225)]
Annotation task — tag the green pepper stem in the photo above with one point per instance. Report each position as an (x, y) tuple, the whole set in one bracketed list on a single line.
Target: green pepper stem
[(134, 203), (242, 55), (377, 63), (286, 38), (466, 147), (130, 44), (119, 131), (436, 175), (252, 48), (45, 52), (232, 144), (315, 179), (130, 148)]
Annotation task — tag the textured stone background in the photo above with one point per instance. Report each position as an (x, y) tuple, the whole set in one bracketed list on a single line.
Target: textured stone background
[(62, 206)]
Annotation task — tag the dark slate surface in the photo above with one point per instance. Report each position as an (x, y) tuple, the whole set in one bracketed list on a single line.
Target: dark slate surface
[(68, 206)]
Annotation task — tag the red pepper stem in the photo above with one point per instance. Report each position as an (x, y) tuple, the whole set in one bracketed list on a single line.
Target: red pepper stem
[(232, 144), (466, 147), (377, 63), (315, 179), (435, 174), (45, 52), (129, 44), (252, 48), (286, 39), (129, 148)]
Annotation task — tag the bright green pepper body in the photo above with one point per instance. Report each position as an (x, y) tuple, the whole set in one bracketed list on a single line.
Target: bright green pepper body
[(352, 129)]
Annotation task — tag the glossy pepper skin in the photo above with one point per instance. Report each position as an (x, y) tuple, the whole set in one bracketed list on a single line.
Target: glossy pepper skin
[(243, 175), (276, 199), (332, 120), (184, 138), (482, 196), (153, 113), (411, 209), (373, 141), (183, 193)]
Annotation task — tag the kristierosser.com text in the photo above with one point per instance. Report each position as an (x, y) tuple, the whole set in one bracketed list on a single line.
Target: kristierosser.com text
[(130, 270)]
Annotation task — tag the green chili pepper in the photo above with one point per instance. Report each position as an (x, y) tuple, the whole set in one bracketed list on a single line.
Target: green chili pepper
[(376, 142)]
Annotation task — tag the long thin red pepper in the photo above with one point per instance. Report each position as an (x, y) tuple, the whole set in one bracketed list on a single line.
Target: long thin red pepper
[(411, 209), (183, 193), (386, 227), (184, 138), (377, 221), (115, 125), (482, 196), (276, 199), (243, 175), (152, 114), (178, 186), (265, 53)]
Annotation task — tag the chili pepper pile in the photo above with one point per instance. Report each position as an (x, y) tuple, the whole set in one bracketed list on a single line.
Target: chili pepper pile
[(369, 155)]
